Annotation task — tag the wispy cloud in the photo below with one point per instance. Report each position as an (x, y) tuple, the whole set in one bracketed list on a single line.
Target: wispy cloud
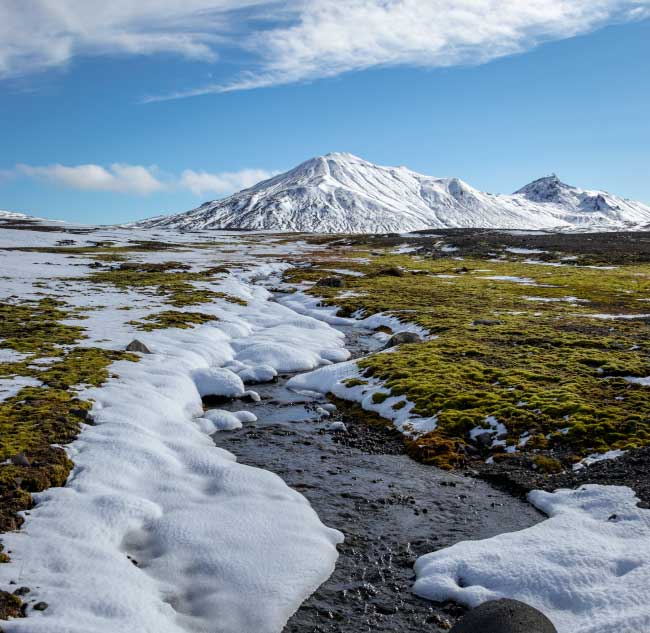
[(40, 34), (138, 179), (295, 40), (329, 38)]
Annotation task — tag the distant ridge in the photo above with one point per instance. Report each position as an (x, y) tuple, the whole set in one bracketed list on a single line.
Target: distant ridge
[(342, 193)]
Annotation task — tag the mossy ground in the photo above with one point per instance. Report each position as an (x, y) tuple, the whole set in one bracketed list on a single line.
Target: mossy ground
[(172, 318), (546, 369), (37, 418), (176, 287)]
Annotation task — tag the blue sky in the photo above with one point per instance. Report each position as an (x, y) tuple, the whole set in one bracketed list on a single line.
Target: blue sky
[(119, 125)]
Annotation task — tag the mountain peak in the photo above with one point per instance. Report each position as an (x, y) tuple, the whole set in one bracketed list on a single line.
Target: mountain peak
[(545, 189), (342, 193), (343, 156)]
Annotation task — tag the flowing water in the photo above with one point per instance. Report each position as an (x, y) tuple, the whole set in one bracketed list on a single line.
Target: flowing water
[(390, 508)]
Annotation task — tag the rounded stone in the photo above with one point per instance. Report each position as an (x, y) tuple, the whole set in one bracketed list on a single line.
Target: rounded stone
[(401, 338), (504, 616)]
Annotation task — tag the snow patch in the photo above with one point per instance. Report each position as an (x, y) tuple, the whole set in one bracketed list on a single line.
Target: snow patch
[(587, 566), (598, 457)]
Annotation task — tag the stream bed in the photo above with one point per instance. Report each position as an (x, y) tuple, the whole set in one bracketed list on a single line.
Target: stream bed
[(390, 508)]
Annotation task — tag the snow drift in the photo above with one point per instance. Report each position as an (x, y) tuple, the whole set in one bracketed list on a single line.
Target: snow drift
[(587, 567)]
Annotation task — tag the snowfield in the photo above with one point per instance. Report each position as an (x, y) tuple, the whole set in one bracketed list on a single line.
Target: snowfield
[(587, 567), (157, 528)]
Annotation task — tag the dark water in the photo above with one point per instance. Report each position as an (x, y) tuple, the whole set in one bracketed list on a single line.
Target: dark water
[(390, 508)]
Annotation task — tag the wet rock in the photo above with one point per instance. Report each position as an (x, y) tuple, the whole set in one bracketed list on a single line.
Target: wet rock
[(504, 616), (22, 591), (137, 346), (20, 460), (484, 440), (331, 282), (41, 606), (402, 337), (81, 413)]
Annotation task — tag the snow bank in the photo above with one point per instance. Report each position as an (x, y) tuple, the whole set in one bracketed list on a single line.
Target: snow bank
[(587, 567), (157, 529), (218, 381), (305, 304), (331, 379)]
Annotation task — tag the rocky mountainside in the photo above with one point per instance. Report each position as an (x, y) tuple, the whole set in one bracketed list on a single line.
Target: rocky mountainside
[(583, 206), (343, 193)]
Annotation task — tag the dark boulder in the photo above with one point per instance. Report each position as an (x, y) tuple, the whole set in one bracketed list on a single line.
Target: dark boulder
[(393, 271), (504, 616), (331, 282), (20, 460), (485, 439), (402, 337), (137, 346)]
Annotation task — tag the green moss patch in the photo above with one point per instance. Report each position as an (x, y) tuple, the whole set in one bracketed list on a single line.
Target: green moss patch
[(545, 366), (37, 418), (173, 318), (164, 280), (35, 327)]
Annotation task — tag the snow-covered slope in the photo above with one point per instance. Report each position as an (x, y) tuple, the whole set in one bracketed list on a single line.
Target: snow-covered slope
[(11, 215), (344, 193), (582, 206)]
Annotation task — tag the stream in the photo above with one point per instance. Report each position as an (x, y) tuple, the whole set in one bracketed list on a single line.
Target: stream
[(390, 508)]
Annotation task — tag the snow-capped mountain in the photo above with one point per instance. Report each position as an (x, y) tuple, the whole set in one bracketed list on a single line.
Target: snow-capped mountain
[(344, 193), (11, 215), (582, 206)]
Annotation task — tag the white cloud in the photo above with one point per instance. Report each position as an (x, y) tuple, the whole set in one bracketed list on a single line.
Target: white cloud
[(138, 179), (201, 182), (117, 177), (40, 34), (330, 37), (295, 40)]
